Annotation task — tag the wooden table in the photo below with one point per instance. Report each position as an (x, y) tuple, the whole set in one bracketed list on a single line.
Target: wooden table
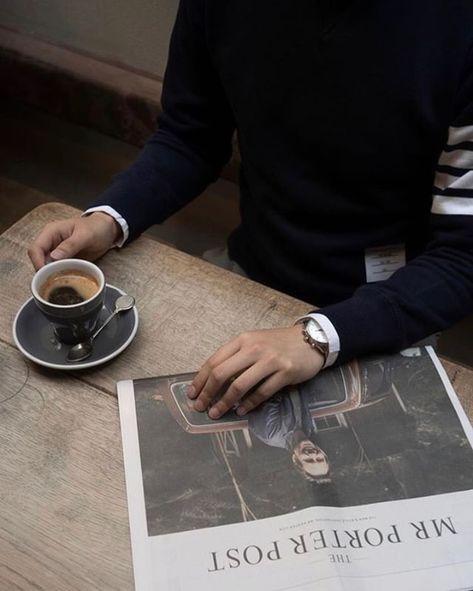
[(63, 511)]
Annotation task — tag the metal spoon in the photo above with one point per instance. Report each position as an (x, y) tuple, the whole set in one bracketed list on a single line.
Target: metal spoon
[(83, 350)]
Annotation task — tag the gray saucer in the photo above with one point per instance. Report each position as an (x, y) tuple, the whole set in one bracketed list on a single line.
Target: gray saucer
[(35, 338)]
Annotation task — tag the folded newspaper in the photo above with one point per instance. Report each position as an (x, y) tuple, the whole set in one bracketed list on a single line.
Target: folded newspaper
[(360, 479)]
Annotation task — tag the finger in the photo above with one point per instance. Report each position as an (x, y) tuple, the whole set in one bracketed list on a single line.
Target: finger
[(69, 247), (274, 383), (217, 358), (37, 256), (240, 387), (219, 376), (47, 240)]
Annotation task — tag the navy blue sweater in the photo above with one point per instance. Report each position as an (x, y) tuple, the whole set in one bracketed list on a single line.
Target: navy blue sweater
[(355, 127)]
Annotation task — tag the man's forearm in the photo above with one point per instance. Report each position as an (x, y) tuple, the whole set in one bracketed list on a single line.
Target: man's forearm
[(194, 137)]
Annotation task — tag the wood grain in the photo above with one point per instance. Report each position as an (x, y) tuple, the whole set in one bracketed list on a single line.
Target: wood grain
[(462, 380), (63, 516)]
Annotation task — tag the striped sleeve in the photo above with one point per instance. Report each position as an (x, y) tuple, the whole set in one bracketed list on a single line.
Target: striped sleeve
[(435, 289), (453, 184)]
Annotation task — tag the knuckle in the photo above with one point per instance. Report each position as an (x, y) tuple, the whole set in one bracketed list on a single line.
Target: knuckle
[(287, 366), (245, 337), (256, 349), (210, 365), (216, 375), (272, 359), (236, 390)]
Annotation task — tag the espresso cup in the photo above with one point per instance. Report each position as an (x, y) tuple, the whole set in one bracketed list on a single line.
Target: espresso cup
[(70, 293)]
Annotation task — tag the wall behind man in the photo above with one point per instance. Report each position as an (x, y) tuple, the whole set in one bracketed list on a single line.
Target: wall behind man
[(131, 33)]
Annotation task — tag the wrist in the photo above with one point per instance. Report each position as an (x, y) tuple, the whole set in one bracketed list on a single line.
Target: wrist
[(323, 331), (309, 358), (113, 228), (315, 338)]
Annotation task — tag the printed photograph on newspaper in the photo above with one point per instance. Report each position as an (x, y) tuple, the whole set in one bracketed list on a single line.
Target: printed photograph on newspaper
[(359, 478)]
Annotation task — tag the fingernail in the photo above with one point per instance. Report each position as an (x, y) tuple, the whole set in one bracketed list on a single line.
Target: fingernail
[(241, 410), (214, 413), (191, 391), (199, 405)]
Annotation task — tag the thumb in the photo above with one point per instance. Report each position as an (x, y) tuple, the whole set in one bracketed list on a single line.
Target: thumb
[(67, 249)]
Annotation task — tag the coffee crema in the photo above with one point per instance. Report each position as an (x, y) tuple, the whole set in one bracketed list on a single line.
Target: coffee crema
[(69, 287)]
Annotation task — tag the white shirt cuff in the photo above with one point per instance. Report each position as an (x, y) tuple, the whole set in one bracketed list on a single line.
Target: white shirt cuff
[(330, 332), (117, 217)]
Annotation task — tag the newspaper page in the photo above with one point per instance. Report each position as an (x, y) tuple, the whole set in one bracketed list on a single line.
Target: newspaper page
[(360, 479)]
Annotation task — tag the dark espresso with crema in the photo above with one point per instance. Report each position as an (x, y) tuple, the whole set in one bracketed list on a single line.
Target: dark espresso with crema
[(69, 287)]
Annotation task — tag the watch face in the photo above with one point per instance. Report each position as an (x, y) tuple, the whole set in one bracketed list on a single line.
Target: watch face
[(315, 332)]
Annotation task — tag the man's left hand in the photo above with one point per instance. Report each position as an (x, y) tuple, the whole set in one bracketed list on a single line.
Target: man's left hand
[(261, 363)]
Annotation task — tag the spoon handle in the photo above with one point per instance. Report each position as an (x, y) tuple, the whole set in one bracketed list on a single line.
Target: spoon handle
[(99, 330)]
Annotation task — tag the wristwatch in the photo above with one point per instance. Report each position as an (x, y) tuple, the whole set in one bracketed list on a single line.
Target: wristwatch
[(315, 336)]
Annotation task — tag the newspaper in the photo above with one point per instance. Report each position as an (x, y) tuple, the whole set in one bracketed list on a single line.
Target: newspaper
[(360, 479)]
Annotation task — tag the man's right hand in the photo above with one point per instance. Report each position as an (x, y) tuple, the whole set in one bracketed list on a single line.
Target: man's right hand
[(85, 237)]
